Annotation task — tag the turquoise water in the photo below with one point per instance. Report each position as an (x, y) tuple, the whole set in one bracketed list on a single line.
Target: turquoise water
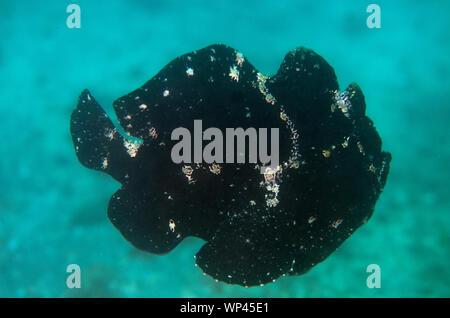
[(53, 210)]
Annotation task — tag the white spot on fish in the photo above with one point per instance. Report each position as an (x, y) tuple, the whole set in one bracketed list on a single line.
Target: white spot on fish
[(190, 72)]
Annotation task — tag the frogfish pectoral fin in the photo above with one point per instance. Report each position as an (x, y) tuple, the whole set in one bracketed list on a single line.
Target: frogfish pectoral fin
[(98, 144)]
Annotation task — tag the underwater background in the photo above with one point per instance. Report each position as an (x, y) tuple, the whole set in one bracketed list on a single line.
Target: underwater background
[(53, 210)]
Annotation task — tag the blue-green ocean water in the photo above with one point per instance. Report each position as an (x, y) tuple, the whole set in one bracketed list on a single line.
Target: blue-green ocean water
[(53, 210)]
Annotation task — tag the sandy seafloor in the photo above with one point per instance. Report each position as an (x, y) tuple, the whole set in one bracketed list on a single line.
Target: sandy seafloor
[(53, 210)]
